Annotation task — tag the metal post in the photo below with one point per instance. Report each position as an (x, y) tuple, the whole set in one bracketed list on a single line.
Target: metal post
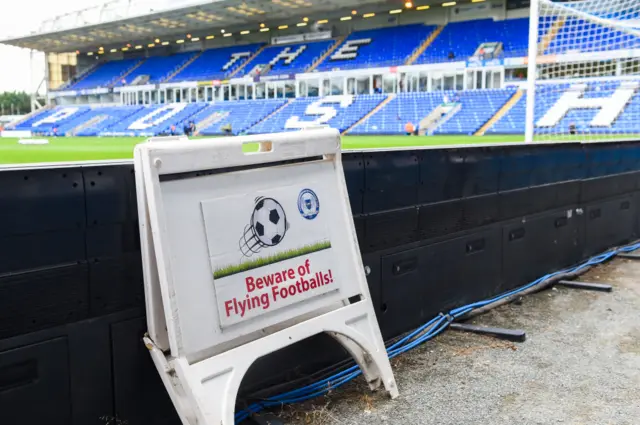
[(534, 16)]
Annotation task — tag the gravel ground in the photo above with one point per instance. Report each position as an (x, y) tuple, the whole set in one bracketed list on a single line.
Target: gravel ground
[(580, 365)]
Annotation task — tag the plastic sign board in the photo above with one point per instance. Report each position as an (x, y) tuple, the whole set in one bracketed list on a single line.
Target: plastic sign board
[(245, 253)]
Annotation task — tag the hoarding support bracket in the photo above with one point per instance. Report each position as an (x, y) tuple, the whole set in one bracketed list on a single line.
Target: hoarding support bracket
[(513, 335), (629, 256)]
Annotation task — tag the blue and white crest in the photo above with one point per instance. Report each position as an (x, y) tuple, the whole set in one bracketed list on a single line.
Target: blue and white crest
[(308, 204)]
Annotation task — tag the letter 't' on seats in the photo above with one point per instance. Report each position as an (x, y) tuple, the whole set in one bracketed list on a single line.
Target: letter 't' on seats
[(235, 57)]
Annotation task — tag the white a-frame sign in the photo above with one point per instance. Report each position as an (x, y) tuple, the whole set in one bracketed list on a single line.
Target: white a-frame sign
[(244, 254)]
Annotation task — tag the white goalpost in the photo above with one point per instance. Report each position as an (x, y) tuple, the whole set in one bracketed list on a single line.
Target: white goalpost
[(583, 70)]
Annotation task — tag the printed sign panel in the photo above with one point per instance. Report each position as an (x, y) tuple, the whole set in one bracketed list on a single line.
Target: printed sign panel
[(254, 248), (274, 251)]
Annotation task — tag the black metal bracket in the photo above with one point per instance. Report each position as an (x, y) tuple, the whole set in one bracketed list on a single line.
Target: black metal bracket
[(588, 286), (629, 255), (265, 419), (516, 335)]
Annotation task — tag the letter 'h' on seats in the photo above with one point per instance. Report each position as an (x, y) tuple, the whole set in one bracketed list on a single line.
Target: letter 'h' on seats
[(287, 55), (610, 107)]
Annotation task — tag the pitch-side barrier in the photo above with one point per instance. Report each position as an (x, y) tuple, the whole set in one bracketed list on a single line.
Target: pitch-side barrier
[(437, 228)]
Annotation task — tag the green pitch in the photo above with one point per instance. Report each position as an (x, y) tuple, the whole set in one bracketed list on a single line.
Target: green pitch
[(98, 148)]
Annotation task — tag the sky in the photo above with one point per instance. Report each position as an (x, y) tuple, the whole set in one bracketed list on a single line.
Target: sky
[(26, 15), (16, 72)]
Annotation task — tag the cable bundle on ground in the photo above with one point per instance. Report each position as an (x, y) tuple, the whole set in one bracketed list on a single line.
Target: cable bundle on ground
[(422, 334)]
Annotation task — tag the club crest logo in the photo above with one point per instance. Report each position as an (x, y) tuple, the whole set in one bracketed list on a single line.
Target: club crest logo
[(308, 204)]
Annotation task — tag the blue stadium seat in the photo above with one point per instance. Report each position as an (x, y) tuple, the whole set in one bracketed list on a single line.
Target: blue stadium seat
[(464, 38), (547, 95), (158, 68), (111, 116), (29, 123), (341, 112), (210, 65), (381, 47), (105, 75), (154, 120), (305, 54), (241, 114), (347, 110), (591, 38), (513, 121), (93, 119), (58, 117), (404, 108), (478, 107)]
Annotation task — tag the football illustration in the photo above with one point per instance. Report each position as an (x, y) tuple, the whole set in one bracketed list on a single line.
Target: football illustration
[(267, 227), (269, 221)]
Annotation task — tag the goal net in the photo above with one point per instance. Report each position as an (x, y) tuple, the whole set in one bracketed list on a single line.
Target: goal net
[(584, 70)]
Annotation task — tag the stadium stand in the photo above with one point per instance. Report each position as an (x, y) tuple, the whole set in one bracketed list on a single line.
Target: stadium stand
[(404, 108), (78, 77), (289, 58), (44, 122), (154, 120), (105, 118), (339, 112), (361, 49), (35, 118), (549, 95), (513, 121), (377, 48), (599, 38), (462, 39), (158, 68), (234, 113), (216, 63), (477, 107), (620, 97), (77, 120), (106, 74)]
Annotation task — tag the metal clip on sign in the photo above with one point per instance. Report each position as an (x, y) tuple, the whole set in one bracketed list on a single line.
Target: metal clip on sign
[(245, 254)]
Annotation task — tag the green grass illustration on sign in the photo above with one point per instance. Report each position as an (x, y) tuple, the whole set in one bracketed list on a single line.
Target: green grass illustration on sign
[(271, 259)]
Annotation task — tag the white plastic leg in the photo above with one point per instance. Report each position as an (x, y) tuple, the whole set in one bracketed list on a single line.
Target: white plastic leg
[(211, 385)]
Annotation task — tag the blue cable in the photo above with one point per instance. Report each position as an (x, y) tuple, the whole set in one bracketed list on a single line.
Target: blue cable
[(424, 333)]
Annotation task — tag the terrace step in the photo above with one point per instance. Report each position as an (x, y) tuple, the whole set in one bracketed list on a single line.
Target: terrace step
[(424, 45), (551, 34), (501, 113), (93, 121), (127, 73), (328, 53), (186, 64), (241, 67), (372, 112)]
